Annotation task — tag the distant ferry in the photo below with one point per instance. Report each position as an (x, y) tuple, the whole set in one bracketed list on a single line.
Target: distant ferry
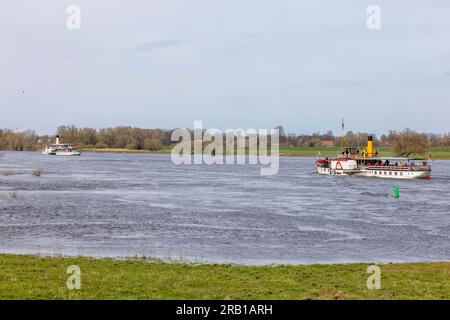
[(366, 162), (61, 149)]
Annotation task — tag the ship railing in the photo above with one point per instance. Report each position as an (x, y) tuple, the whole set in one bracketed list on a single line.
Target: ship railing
[(401, 168)]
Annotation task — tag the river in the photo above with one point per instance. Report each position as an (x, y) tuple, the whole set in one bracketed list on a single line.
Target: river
[(143, 205)]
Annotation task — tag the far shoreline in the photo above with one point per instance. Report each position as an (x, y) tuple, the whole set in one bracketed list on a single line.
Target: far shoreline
[(438, 153)]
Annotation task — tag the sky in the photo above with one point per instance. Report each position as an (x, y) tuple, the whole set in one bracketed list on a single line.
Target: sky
[(304, 65)]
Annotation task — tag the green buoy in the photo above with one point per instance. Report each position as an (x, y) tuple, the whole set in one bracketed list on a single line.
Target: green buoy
[(396, 192)]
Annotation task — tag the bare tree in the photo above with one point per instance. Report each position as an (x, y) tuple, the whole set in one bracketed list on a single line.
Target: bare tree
[(408, 142)]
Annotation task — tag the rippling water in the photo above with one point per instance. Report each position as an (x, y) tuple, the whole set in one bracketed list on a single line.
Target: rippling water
[(122, 205)]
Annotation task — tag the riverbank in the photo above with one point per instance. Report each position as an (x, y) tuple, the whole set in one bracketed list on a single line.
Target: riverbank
[(438, 153), (166, 149), (33, 277)]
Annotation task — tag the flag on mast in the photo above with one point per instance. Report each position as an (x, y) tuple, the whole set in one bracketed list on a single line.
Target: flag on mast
[(342, 125)]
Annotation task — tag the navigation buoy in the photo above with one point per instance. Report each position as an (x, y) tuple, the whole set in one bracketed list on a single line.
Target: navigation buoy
[(396, 192), (428, 178)]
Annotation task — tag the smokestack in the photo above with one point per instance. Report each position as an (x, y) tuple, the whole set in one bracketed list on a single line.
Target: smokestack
[(57, 139), (369, 150)]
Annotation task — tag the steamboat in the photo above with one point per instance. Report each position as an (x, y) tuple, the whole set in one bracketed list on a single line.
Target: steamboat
[(61, 149), (366, 162)]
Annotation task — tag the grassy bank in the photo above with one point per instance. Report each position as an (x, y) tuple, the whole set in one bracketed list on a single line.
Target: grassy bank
[(31, 277), (166, 149), (323, 151), (441, 153)]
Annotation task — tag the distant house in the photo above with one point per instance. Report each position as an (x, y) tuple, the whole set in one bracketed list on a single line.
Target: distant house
[(384, 143), (327, 143)]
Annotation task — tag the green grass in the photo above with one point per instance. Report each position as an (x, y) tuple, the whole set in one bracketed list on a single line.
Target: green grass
[(32, 277), (324, 151), (441, 153), (165, 149)]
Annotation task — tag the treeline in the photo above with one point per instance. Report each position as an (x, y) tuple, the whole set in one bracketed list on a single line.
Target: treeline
[(13, 140), (118, 137), (317, 139), (360, 138), (156, 139)]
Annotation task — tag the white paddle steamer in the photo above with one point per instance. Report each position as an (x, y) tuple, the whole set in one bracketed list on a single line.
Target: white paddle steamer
[(366, 162), (61, 149)]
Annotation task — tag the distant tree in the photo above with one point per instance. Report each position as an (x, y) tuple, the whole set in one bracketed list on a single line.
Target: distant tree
[(105, 138), (315, 142), (282, 134), (68, 134), (408, 142), (328, 135), (87, 137), (280, 130), (152, 144)]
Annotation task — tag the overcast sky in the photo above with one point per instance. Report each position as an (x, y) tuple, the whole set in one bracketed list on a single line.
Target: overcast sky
[(233, 64)]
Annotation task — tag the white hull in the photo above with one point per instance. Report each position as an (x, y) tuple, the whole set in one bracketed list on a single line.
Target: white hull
[(68, 153), (62, 153), (386, 174)]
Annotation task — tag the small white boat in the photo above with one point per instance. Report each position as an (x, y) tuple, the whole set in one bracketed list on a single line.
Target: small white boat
[(61, 149)]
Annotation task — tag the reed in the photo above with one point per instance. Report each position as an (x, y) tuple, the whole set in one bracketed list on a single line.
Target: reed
[(37, 172)]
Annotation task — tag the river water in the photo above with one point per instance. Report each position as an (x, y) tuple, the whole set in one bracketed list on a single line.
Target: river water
[(143, 205)]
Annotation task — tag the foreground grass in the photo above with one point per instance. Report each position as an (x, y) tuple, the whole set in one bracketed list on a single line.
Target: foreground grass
[(32, 277)]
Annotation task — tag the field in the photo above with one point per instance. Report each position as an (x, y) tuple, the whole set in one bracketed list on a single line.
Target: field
[(33, 277), (310, 151), (441, 153), (166, 149)]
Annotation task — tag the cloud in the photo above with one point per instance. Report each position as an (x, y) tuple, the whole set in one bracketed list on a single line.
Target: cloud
[(155, 45)]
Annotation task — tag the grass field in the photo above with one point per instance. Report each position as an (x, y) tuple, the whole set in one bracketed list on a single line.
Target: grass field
[(323, 151), (32, 277), (166, 149), (442, 153)]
